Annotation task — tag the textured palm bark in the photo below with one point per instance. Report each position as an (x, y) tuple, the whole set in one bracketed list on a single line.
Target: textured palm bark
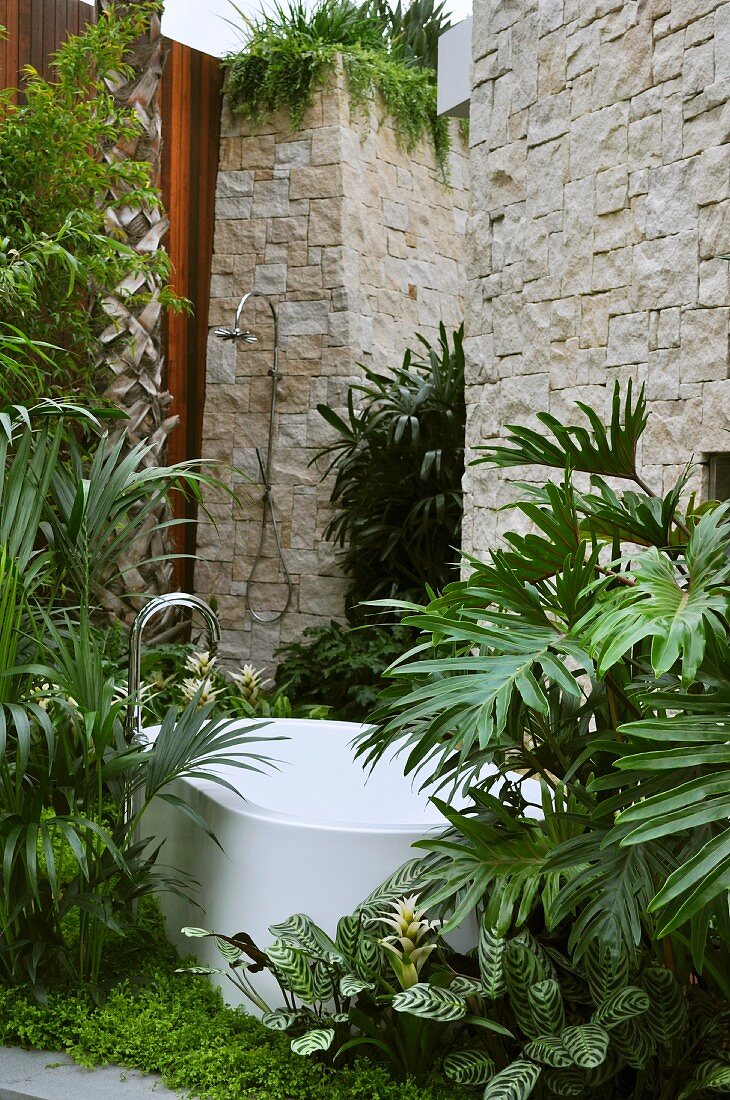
[(133, 349)]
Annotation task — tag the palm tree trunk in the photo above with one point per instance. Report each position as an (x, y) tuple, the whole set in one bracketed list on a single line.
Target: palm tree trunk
[(133, 341)]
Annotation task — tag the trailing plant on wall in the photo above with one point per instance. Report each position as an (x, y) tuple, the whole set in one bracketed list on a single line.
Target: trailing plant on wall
[(591, 654), (293, 49), (398, 462), (60, 253)]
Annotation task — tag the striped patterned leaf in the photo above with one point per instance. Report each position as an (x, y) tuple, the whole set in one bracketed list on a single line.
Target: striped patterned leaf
[(292, 967), (278, 1020), (407, 880), (522, 969), (466, 987), (668, 1006), (229, 951), (587, 1044), (301, 932), (516, 1082), (634, 1041), (430, 1003), (490, 953), (524, 938), (324, 982), (469, 1067), (350, 986), (605, 973), (349, 931), (319, 1039), (546, 1006), (549, 1050), (566, 1082), (621, 1006), (370, 957)]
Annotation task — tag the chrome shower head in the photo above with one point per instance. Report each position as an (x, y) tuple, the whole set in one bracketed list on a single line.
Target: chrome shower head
[(233, 333)]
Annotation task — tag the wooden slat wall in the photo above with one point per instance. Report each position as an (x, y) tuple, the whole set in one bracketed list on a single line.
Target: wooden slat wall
[(191, 100), (34, 31)]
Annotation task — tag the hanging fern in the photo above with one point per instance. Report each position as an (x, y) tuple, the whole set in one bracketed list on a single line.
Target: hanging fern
[(292, 52)]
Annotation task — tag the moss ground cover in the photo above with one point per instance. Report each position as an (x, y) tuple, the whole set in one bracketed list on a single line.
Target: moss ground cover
[(177, 1025)]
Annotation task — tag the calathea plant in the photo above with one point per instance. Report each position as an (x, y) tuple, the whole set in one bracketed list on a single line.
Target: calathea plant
[(590, 654), (340, 994)]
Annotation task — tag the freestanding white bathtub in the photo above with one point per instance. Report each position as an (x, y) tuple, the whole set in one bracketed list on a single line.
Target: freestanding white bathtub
[(314, 837)]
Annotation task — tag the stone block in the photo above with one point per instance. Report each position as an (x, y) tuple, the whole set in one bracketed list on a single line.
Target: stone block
[(645, 142), (674, 428), (271, 198), (325, 223), (713, 176), (290, 153), (303, 318), (611, 269), (704, 346), (315, 182), (547, 172), (628, 339), (396, 215), (698, 68), (505, 175), (270, 279), (714, 282), (599, 140), (664, 272), (715, 230), (668, 327), (581, 51), (613, 231), (671, 201), (707, 129), (624, 66), (668, 57), (548, 118), (662, 376), (612, 187), (220, 360)]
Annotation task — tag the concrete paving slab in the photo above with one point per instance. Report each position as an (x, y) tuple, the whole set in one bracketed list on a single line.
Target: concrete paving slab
[(48, 1075)]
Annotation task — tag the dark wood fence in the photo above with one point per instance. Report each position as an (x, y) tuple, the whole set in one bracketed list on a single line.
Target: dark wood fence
[(34, 29)]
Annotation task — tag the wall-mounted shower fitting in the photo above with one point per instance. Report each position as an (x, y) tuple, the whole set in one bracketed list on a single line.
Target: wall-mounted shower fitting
[(236, 333)]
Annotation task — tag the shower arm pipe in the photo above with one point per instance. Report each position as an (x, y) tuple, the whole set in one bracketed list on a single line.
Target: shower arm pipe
[(156, 605)]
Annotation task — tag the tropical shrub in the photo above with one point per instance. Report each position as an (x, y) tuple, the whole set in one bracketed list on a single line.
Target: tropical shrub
[(398, 463), (59, 198), (340, 994), (413, 31), (73, 791), (293, 49), (590, 654), (340, 667)]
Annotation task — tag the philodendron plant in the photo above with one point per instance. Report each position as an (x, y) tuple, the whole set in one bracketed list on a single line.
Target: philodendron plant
[(384, 982)]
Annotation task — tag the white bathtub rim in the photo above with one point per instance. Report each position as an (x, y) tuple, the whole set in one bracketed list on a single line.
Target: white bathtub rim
[(245, 807)]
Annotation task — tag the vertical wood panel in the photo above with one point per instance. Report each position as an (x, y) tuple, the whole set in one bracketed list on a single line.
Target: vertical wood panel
[(35, 29), (191, 99)]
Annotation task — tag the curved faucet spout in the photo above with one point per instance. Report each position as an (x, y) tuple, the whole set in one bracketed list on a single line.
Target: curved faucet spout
[(134, 682)]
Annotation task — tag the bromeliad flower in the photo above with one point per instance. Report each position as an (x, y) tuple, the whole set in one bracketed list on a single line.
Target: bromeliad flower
[(407, 951), (192, 686), (249, 682), (200, 664)]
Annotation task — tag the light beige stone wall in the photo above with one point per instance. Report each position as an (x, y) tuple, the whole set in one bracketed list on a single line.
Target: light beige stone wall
[(601, 207), (360, 246)]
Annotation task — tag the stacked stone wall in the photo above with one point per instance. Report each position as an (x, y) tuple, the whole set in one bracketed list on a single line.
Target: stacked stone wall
[(360, 246), (600, 213)]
